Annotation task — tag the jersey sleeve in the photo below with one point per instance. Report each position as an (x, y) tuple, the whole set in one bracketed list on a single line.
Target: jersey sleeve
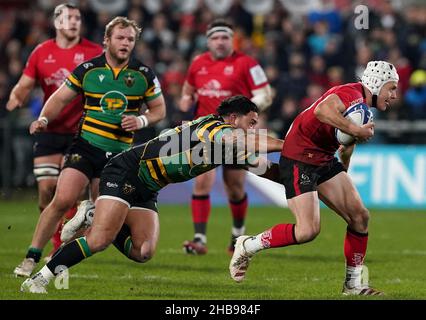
[(75, 79), (154, 86), (255, 74), (348, 95), (30, 69), (233, 153)]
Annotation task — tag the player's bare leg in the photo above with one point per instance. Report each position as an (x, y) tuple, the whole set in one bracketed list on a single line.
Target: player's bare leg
[(234, 180), (46, 172), (108, 220), (70, 184), (200, 206), (139, 236), (340, 194), (305, 208)]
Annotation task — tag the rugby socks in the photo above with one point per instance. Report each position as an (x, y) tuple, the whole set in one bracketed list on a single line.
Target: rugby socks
[(69, 255), (281, 235), (34, 253), (123, 241), (355, 247), (239, 212), (200, 214)]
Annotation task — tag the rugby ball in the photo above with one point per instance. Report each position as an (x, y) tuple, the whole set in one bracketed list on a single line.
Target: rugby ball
[(359, 114)]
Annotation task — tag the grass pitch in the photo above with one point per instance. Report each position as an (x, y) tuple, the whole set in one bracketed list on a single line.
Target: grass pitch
[(396, 259)]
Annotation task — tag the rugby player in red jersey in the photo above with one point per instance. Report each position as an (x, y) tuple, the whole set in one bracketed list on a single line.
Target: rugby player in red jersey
[(49, 65), (310, 172), (213, 76)]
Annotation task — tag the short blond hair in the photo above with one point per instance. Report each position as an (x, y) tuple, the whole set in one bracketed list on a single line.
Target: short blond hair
[(124, 23)]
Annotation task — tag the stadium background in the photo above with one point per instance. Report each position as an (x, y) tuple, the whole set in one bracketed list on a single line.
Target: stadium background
[(305, 47)]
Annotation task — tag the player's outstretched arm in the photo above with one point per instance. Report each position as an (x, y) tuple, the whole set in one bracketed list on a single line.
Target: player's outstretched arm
[(53, 107), (266, 169), (264, 143), (20, 92)]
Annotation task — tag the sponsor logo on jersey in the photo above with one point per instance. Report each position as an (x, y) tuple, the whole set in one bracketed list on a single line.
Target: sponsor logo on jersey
[(129, 80), (114, 103), (157, 86), (79, 58), (213, 89), (57, 78), (258, 75), (101, 77), (354, 102), (50, 59)]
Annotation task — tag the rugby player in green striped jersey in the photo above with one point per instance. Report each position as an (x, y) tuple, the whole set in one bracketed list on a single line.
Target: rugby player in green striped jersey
[(114, 86), (126, 211)]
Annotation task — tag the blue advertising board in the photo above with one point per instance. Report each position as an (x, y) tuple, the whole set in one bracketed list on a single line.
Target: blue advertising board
[(385, 176)]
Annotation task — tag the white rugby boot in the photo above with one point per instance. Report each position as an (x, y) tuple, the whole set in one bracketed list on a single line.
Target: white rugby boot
[(26, 267), (361, 291), (240, 260), (36, 284), (82, 218)]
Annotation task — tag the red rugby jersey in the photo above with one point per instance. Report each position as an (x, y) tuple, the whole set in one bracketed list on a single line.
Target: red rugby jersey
[(50, 65), (216, 80), (311, 141)]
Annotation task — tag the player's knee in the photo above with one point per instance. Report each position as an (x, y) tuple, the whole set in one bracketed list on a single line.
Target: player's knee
[(46, 196), (307, 233), (99, 242), (235, 193), (147, 251), (62, 203), (359, 219)]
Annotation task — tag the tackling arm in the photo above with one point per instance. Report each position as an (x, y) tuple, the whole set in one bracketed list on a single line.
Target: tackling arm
[(272, 171), (20, 92)]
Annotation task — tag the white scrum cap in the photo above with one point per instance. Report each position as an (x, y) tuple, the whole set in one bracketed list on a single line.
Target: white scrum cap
[(377, 74)]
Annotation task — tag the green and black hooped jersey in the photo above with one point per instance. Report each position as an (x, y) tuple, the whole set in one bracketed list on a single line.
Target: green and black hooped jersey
[(182, 153), (108, 94)]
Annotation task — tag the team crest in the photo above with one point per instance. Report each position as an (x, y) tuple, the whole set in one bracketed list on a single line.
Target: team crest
[(128, 188), (129, 79), (228, 70), (74, 158)]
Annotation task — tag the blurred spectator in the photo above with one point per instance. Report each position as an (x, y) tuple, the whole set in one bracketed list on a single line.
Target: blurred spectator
[(416, 95), (298, 42)]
